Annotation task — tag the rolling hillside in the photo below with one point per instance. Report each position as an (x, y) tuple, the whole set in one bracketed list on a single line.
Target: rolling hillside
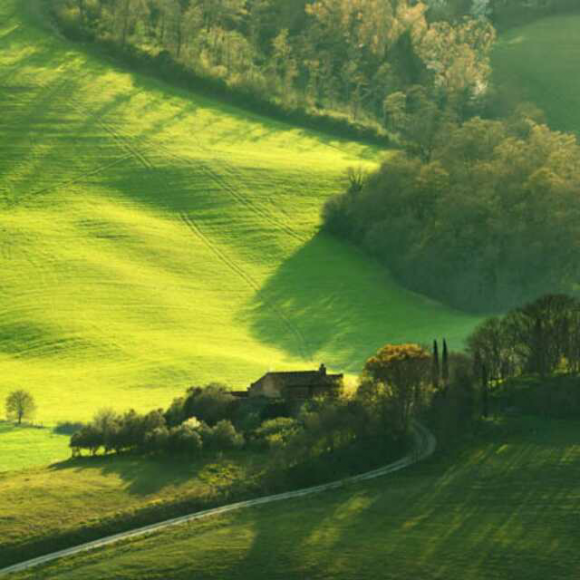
[(506, 508), (151, 240), (539, 62)]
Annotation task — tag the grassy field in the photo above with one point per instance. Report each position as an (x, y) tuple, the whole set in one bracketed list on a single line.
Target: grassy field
[(151, 239), (104, 495), (540, 62), (25, 446), (506, 508)]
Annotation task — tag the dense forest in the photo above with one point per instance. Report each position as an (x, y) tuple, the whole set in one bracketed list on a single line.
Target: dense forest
[(338, 58), (335, 58), (483, 214)]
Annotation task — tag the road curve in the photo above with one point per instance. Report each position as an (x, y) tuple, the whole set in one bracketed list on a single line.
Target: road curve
[(424, 446)]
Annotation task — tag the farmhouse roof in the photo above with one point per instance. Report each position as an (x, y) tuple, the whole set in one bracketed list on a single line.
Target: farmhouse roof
[(303, 378)]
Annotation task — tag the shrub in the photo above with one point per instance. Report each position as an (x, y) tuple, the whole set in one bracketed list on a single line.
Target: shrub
[(157, 440), (89, 437), (185, 439), (222, 437), (175, 414), (209, 404), (276, 432)]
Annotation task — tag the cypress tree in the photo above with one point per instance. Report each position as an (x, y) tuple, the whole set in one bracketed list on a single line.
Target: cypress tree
[(436, 369), (485, 387), (445, 367)]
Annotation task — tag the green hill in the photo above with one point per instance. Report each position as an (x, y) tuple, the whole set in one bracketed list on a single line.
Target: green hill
[(506, 508), (151, 239), (539, 62)]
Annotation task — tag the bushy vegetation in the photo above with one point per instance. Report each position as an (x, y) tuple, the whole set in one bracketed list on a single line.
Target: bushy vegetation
[(540, 338), (482, 214), (327, 58), (307, 441), (529, 359), (190, 424)]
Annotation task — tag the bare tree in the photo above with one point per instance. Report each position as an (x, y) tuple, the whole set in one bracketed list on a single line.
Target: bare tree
[(20, 405)]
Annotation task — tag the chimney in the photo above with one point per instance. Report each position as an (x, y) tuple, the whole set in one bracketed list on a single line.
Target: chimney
[(322, 370)]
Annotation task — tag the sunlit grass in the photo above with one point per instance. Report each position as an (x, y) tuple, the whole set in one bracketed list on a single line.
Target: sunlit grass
[(151, 239), (25, 446), (506, 508)]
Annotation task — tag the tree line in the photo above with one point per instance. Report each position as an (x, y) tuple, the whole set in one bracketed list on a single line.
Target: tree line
[(309, 441), (483, 214), (211, 419), (541, 338), (529, 359), (337, 58)]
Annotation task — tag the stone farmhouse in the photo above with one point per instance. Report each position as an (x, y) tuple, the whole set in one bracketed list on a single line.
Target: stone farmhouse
[(297, 385)]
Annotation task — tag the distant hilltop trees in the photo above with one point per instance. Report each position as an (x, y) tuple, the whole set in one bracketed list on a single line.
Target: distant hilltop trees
[(324, 57)]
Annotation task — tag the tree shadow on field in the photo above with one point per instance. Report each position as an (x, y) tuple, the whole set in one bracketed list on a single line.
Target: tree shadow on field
[(340, 306), (142, 475), (327, 535), (145, 475), (249, 125), (12, 426), (455, 515)]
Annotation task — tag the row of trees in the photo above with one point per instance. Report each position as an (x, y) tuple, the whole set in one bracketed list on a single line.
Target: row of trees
[(338, 57), (201, 419), (150, 433), (376, 417), (483, 214), (540, 338)]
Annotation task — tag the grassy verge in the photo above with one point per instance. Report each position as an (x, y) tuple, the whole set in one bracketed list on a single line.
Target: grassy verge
[(504, 508), (105, 495), (72, 502)]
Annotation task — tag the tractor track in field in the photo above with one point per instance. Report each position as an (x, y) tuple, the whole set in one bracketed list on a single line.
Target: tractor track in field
[(52, 92), (121, 140), (125, 143), (132, 152), (257, 209), (255, 286), (424, 446), (73, 180), (223, 183)]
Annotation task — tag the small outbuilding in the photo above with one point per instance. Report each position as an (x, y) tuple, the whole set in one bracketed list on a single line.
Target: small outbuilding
[(298, 385)]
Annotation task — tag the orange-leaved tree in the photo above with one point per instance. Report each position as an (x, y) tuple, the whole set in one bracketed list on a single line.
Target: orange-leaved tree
[(399, 375)]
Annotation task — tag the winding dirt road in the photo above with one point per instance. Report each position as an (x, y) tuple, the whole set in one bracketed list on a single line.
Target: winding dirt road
[(424, 446)]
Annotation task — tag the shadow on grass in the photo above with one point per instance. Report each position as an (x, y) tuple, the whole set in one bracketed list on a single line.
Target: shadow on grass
[(469, 513), (342, 306), (11, 427), (142, 475), (146, 475)]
